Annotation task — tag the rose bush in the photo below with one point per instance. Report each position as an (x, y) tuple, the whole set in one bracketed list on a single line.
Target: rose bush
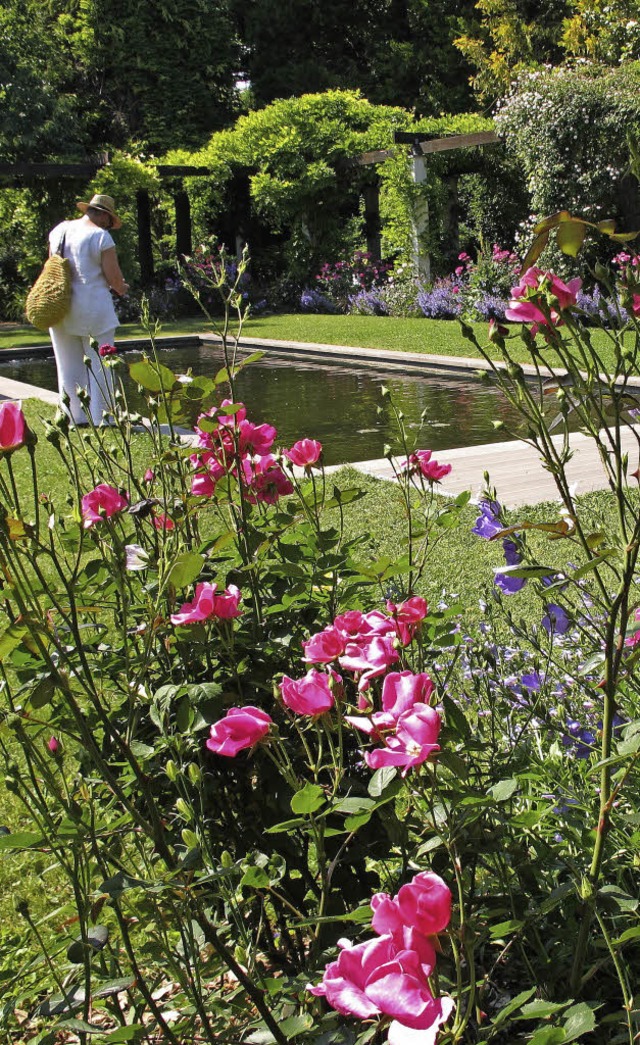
[(234, 734)]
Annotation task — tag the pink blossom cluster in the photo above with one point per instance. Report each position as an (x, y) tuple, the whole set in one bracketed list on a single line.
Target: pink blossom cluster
[(207, 604), (389, 974), (536, 287), (420, 462), (626, 260), (233, 445), (365, 645)]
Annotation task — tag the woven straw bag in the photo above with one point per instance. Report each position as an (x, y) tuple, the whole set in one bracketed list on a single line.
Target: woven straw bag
[(49, 299)]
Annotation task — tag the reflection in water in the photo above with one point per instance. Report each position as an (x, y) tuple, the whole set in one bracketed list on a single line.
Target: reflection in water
[(342, 406)]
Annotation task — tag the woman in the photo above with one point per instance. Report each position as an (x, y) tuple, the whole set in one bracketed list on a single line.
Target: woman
[(95, 271)]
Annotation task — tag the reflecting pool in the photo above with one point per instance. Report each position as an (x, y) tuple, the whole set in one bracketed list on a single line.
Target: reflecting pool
[(341, 405)]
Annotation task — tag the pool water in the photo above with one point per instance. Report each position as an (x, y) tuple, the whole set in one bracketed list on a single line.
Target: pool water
[(342, 406)]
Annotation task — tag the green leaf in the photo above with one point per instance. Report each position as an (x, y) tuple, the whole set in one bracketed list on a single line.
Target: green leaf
[(286, 825), (308, 799), (185, 569), (256, 878), (42, 692), (535, 250), (141, 751), (79, 1027), (455, 719), (628, 934), (119, 884), (131, 1033), (380, 780), (21, 840), (353, 823), (539, 1009), (295, 1025), (503, 790), (111, 987), (505, 929), (527, 572), (580, 1019), (619, 897), (97, 937), (548, 1036), (155, 377), (570, 237), (513, 1006), (11, 638), (354, 805)]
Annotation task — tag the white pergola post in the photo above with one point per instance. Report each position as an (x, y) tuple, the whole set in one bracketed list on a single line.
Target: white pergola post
[(421, 259)]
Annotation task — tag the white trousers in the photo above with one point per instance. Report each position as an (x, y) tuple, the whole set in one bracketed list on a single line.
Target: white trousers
[(70, 351)]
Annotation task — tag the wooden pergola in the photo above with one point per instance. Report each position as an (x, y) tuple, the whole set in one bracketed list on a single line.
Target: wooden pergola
[(421, 148), (15, 175)]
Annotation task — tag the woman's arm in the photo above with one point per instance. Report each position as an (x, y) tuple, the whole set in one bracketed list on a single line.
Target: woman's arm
[(111, 271)]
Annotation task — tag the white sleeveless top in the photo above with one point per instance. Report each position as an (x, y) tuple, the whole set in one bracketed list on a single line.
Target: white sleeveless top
[(92, 312)]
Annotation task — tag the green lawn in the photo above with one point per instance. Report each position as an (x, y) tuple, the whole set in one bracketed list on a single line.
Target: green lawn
[(431, 336)]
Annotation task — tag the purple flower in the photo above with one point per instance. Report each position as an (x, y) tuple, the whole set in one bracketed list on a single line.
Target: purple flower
[(489, 306), (442, 302), (532, 681), (578, 737), (314, 301), (488, 524), (507, 584), (556, 620)]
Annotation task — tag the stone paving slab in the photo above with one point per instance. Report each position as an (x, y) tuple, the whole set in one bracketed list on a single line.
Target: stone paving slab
[(516, 470)]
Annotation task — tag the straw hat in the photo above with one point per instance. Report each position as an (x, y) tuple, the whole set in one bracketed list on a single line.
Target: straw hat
[(105, 203)]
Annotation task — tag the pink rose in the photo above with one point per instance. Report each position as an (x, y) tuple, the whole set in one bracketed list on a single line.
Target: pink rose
[(225, 605), (369, 659), (376, 978), (265, 481), (241, 728), (107, 350), (311, 695), (425, 903), (255, 439), (357, 626), (209, 471), (345, 980), (324, 646), (420, 461), (534, 287), (149, 475), (402, 689), (200, 608), (163, 522), (54, 745), (101, 503), (13, 427), (412, 742), (408, 616), (206, 604), (304, 453), (400, 1034)]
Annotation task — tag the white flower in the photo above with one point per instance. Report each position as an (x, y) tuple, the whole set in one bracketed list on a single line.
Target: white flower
[(136, 558)]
